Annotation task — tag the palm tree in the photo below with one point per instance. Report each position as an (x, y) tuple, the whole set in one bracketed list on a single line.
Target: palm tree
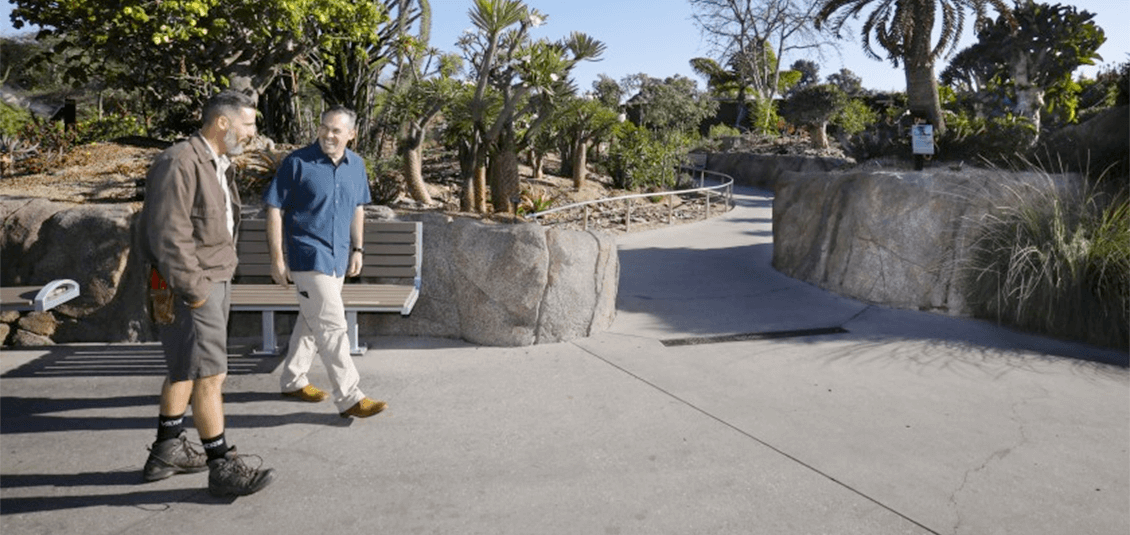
[(515, 77), (902, 29)]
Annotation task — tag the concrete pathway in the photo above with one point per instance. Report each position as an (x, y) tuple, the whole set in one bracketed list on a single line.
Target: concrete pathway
[(683, 418)]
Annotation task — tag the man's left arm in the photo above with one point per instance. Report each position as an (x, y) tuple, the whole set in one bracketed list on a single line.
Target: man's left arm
[(356, 242)]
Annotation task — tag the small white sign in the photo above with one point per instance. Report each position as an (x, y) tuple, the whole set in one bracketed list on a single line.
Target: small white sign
[(922, 138)]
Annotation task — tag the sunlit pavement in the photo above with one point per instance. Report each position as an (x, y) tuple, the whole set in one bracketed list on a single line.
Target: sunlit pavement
[(726, 398)]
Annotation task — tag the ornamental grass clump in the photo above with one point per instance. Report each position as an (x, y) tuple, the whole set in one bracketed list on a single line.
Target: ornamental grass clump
[(1054, 257)]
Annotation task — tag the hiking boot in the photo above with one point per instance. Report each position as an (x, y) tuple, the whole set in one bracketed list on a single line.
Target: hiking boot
[(308, 393), (364, 408), (230, 476), (173, 456)]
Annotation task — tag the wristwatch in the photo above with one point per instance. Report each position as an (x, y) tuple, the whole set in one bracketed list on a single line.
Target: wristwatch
[(358, 250)]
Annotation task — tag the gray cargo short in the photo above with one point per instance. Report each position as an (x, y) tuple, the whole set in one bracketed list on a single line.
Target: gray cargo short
[(196, 343)]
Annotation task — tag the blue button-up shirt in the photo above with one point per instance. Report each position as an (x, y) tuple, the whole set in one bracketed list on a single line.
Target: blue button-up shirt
[(318, 200)]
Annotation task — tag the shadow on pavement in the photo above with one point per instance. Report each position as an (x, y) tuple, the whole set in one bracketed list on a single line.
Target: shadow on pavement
[(40, 415), (123, 361), (734, 293), (155, 500)]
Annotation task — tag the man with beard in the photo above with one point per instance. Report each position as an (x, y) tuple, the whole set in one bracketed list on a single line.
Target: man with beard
[(188, 223), (317, 198)]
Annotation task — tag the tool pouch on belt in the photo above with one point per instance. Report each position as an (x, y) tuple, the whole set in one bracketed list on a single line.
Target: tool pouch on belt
[(160, 299)]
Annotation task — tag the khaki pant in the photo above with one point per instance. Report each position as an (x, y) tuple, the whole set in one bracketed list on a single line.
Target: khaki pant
[(321, 329)]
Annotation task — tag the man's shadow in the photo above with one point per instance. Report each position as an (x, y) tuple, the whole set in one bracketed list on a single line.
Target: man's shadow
[(24, 414), (154, 500)]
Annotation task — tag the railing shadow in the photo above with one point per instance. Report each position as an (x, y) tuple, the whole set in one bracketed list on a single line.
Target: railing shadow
[(142, 360), (22, 415)]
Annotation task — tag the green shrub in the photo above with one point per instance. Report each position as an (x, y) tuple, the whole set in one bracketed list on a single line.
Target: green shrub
[(763, 117), (640, 158), (385, 181), (110, 127), (1001, 140), (723, 130), (12, 120), (855, 117), (1055, 259)]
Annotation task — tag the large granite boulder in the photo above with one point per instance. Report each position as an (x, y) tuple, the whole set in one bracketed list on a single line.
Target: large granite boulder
[(898, 238), (44, 240), (508, 285), (584, 274)]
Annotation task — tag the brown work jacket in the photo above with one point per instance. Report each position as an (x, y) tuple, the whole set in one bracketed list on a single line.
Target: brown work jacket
[(183, 225)]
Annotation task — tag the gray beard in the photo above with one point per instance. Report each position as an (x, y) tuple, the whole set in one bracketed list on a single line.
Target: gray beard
[(234, 147)]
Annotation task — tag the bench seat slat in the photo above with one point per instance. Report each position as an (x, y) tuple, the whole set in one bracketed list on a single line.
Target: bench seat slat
[(392, 251), (361, 297), (17, 297), (264, 270)]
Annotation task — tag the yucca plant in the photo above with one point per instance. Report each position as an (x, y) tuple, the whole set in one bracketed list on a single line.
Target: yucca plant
[(12, 150), (1055, 258), (533, 203), (256, 170)]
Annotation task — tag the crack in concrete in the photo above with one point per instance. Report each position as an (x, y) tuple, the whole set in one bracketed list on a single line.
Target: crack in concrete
[(993, 458)]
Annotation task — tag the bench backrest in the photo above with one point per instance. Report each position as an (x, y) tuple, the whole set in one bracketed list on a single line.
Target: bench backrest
[(392, 250)]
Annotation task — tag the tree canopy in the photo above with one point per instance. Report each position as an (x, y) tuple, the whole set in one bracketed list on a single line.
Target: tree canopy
[(903, 29), (673, 103), (197, 44), (1033, 52)]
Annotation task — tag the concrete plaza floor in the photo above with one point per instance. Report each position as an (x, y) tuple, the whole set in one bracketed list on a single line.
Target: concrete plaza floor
[(726, 398)]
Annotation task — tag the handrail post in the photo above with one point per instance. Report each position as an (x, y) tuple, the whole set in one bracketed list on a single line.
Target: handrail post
[(707, 192), (586, 217), (628, 217), (670, 208)]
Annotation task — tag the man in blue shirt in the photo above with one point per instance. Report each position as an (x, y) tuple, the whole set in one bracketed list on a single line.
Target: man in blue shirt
[(317, 198)]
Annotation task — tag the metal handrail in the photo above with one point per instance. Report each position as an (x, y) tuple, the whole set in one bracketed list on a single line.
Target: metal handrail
[(726, 184)]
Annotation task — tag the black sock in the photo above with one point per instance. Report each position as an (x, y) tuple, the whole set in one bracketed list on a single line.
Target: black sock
[(169, 426), (216, 448)]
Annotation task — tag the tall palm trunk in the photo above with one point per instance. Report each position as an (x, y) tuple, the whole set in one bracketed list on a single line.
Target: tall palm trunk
[(580, 163), (921, 85), (818, 133), (505, 179), (467, 171), (412, 161), (1029, 96), (479, 190), (922, 94), (539, 166)]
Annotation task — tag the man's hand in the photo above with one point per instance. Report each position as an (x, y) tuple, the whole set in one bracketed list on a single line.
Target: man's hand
[(356, 261), (280, 273)]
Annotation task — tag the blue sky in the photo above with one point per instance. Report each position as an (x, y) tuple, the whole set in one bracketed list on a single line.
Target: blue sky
[(658, 37)]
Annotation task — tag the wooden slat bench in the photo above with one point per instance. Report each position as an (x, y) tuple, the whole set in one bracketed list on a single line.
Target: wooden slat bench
[(393, 252), (38, 298)]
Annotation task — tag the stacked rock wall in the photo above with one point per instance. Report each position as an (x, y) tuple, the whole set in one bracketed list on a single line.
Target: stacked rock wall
[(763, 170), (897, 238), (491, 284)]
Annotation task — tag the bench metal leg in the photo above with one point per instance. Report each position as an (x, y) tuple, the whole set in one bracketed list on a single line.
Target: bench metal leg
[(270, 343), (355, 347)]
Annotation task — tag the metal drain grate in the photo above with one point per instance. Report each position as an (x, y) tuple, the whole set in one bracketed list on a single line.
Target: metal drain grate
[(772, 335)]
